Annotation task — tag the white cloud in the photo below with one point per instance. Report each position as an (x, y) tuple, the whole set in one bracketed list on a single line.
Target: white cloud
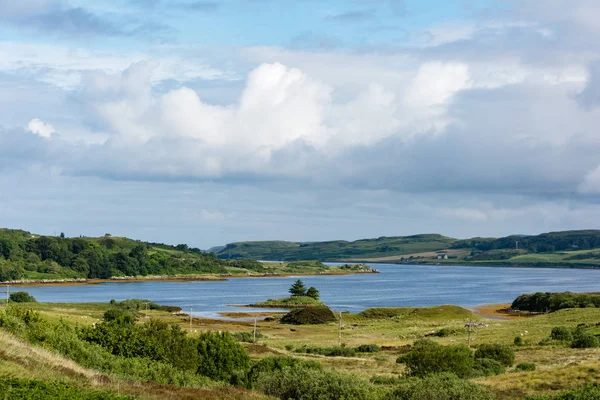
[(40, 128)]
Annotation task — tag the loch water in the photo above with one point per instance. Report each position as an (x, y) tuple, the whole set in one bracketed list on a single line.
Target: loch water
[(394, 286)]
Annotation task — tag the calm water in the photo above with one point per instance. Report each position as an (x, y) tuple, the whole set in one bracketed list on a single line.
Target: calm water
[(395, 286)]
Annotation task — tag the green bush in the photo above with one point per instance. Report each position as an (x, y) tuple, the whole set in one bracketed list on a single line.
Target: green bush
[(26, 389), (561, 333), (428, 357), (440, 387), (65, 340), (487, 367), (584, 340), (501, 353), (548, 302), (219, 355), (518, 341), (368, 348), (269, 365), (21, 297), (300, 383), (525, 366), (584, 393), (444, 332), (308, 316)]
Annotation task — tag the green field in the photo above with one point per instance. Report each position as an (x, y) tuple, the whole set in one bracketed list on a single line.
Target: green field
[(558, 367)]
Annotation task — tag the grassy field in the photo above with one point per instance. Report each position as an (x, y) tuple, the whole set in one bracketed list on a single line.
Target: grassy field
[(558, 367)]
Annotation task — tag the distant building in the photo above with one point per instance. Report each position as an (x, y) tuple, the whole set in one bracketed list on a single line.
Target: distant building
[(442, 256)]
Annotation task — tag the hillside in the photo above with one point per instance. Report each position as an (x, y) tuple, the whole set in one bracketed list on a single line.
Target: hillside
[(335, 250), (555, 249)]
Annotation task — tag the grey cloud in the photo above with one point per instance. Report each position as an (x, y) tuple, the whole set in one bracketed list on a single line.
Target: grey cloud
[(590, 96), (58, 18)]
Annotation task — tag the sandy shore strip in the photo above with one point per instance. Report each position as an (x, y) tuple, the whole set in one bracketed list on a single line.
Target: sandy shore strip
[(497, 311)]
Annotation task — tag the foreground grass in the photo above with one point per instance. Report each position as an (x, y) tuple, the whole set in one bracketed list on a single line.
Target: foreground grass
[(558, 367)]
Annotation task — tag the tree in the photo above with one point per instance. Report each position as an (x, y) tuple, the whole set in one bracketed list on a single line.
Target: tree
[(21, 297), (298, 289), (313, 292), (62, 235)]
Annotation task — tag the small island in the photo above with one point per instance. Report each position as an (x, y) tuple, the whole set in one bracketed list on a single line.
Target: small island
[(300, 297)]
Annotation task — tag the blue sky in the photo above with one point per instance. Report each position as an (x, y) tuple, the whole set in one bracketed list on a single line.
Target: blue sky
[(208, 122)]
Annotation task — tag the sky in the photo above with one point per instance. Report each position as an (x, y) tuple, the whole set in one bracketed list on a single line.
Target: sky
[(212, 121)]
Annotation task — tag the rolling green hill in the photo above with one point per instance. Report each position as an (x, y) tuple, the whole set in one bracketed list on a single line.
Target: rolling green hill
[(555, 249), (338, 249)]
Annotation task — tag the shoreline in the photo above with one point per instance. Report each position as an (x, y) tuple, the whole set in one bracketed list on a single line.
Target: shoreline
[(181, 278)]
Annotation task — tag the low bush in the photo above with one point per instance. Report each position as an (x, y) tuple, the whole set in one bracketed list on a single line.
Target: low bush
[(501, 353), (21, 297), (300, 383), (487, 367), (444, 332), (26, 389), (440, 387), (368, 348), (525, 366), (269, 365), (561, 333), (427, 357), (584, 340), (308, 316), (518, 341)]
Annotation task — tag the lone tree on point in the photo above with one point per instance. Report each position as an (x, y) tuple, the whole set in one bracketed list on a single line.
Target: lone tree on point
[(298, 289), (313, 292)]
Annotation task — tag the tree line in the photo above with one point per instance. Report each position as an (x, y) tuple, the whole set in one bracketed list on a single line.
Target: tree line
[(103, 257)]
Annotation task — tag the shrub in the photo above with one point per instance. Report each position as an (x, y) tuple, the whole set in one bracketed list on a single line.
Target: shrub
[(428, 357), (561, 333), (368, 348), (21, 297), (518, 341), (302, 383), (219, 355), (444, 332), (584, 340), (269, 365), (440, 387), (308, 316), (501, 353), (487, 367), (525, 366)]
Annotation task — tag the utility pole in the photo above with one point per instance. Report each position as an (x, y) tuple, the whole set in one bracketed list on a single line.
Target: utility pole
[(7, 294), (254, 330), (340, 331), (469, 325), (190, 318)]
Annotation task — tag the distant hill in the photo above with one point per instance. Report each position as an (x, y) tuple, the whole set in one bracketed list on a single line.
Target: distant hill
[(28, 256), (337, 249), (560, 249)]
